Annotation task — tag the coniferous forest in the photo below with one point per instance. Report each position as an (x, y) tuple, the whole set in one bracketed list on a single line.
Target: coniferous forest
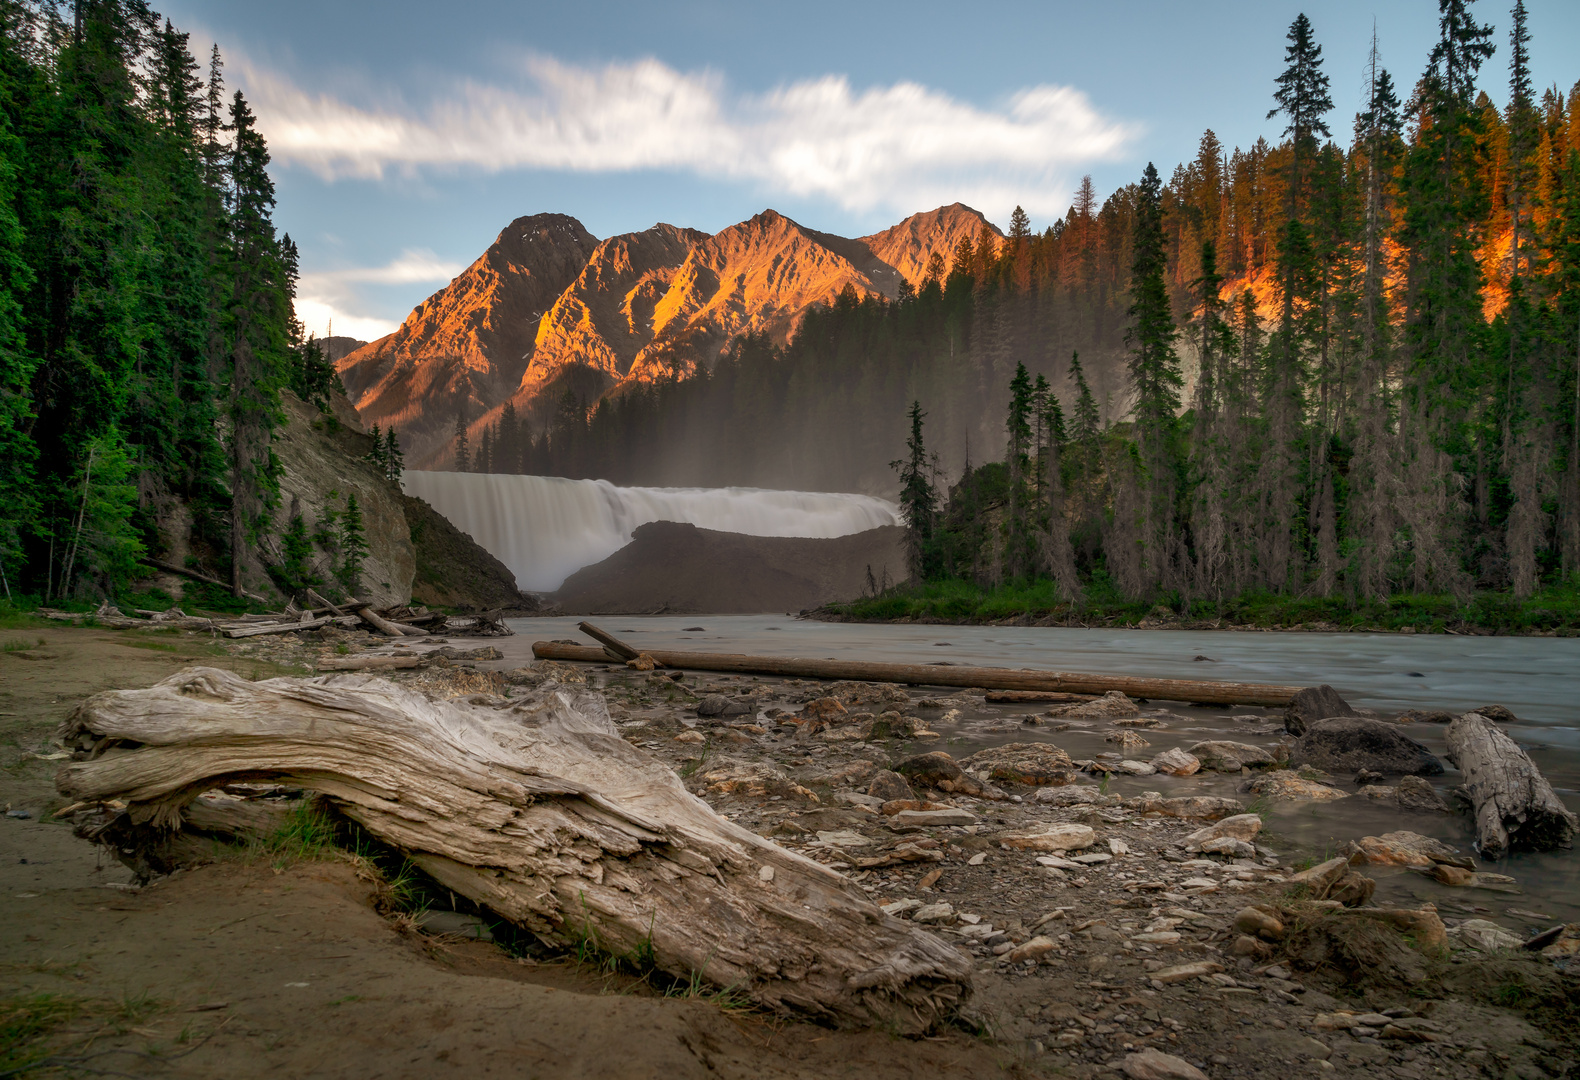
[(1339, 366), (146, 325)]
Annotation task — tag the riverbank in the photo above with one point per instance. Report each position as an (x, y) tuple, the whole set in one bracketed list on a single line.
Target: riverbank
[(1553, 612)]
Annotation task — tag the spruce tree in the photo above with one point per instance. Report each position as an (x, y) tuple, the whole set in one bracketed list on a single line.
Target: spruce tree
[(353, 547), (463, 455), (394, 460), (918, 498)]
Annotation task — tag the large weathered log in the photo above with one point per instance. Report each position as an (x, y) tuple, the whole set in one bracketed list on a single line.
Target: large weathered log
[(366, 613), (366, 663), (618, 649), (276, 628), (1515, 807), (1216, 693), (536, 809), (1031, 697)]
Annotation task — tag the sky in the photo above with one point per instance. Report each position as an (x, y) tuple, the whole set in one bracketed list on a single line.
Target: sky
[(406, 135)]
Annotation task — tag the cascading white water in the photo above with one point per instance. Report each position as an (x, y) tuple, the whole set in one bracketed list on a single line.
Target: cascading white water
[(545, 528)]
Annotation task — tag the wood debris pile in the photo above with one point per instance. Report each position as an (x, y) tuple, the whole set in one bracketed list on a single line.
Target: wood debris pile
[(392, 622)]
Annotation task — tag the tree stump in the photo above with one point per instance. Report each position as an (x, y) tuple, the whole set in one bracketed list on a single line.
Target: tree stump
[(536, 809)]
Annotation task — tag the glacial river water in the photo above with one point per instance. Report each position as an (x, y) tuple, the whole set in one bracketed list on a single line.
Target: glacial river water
[(1537, 678)]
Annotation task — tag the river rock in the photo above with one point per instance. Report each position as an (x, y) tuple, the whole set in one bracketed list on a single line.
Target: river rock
[(1497, 714), (1049, 837), (1134, 768), (1033, 764), (719, 705), (1031, 950), (1229, 846), (1239, 827), (1284, 784), (1075, 795), (1352, 889), (755, 779), (1425, 716), (1182, 972), (1411, 793), (1567, 943), (1127, 740), (933, 817), (866, 693), (940, 914), (1188, 807), (1311, 705), (888, 785), (1111, 705), (1231, 756), (1152, 1064), (1404, 849), (1320, 878), (824, 708), (1425, 925), (1260, 922), (1175, 762), (1349, 744)]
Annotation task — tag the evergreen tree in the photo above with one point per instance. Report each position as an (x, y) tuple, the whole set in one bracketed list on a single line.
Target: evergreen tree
[(463, 455), (918, 497), (394, 460), (353, 547)]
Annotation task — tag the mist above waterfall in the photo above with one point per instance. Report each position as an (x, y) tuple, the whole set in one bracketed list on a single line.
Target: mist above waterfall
[(545, 528)]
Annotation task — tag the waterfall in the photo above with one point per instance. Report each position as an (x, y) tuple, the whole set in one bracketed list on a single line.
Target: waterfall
[(545, 528)]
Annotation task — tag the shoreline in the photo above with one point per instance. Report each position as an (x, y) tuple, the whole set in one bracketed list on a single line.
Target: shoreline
[(1150, 622)]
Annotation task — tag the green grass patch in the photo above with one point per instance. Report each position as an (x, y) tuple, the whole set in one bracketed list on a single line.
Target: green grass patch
[(20, 644), (26, 1021)]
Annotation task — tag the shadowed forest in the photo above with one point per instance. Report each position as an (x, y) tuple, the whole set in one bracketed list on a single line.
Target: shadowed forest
[(1341, 365)]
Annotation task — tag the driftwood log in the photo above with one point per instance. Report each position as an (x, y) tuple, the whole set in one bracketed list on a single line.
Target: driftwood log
[(1514, 806), (366, 613), (1215, 693), (536, 809), (366, 663)]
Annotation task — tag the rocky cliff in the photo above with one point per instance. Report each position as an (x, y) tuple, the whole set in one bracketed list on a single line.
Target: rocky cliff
[(548, 307)]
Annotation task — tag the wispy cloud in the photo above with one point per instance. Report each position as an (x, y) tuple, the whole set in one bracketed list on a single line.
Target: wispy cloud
[(334, 296), (902, 147)]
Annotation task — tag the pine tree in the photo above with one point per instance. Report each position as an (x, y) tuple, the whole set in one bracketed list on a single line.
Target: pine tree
[(394, 460), (1155, 379), (918, 498), (353, 547), (463, 455)]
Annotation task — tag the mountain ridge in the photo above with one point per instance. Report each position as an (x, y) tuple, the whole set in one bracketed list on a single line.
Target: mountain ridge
[(549, 307)]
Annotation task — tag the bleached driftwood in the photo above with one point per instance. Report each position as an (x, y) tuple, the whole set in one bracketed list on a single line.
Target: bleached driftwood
[(1514, 805), (366, 613), (284, 627), (536, 809), (366, 663)]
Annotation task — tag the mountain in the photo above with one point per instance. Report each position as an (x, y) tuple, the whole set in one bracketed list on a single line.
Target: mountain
[(467, 345), (549, 308)]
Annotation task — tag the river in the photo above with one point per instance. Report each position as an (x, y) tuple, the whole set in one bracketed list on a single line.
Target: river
[(1537, 678)]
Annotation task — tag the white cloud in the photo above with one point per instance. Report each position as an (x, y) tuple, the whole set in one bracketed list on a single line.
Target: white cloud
[(332, 296), (904, 147)]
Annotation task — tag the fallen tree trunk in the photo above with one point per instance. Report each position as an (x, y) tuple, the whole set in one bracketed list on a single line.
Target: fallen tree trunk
[(1216, 693), (616, 648), (366, 613), (1029, 697), (276, 628), (534, 808), (1514, 806)]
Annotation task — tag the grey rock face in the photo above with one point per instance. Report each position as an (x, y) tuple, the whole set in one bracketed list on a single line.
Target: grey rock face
[(1312, 704), (1349, 744)]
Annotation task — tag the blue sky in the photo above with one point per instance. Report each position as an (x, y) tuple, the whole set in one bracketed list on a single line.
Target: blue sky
[(407, 135)]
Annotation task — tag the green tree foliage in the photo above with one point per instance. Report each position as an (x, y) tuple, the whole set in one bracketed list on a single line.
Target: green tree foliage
[(353, 547), (145, 303), (918, 497)]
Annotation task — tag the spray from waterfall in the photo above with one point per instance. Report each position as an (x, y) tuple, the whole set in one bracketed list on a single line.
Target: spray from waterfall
[(545, 528)]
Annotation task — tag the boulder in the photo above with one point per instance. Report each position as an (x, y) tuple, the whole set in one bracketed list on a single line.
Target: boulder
[(824, 708), (1127, 740), (1322, 877), (1033, 764), (1414, 793), (1484, 935), (1498, 714), (1175, 762), (1239, 827), (1284, 784), (1152, 1064), (1189, 807), (888, 785), (1351, 890), (1110, 706), (1349, 744), (1404, 849), (1312, 704), (939, 770), (1231, 756), (719, 705), (1228, 845)]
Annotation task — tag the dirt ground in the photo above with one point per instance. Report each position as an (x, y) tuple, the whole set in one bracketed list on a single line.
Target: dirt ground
[(245, 968)]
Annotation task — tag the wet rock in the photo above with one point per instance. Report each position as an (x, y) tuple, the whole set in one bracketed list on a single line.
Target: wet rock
[(1229, 846), (1049, 837), (1075, 795), (1351, 890), (888, 785), (1239, 827), (1189, 807), (1366, 776), (1348, 744), (641, 662), (939, 770), (1175, 762), (1425, 716), (1484, 935), (1033, 764), (891, 725), (1284, 784), (1566, 945), (1153, 1064), (1134, 768), (454, 924), (719, 705), (1313, 704), (691, 737), (824, 708), (901, 907), (1414, 793), (1320, 878), (1497, 714), (855, 798), (1231, 757), (1112, 705), (1404, 849), (1182, 972), (1127, 740), (1453, 875)]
